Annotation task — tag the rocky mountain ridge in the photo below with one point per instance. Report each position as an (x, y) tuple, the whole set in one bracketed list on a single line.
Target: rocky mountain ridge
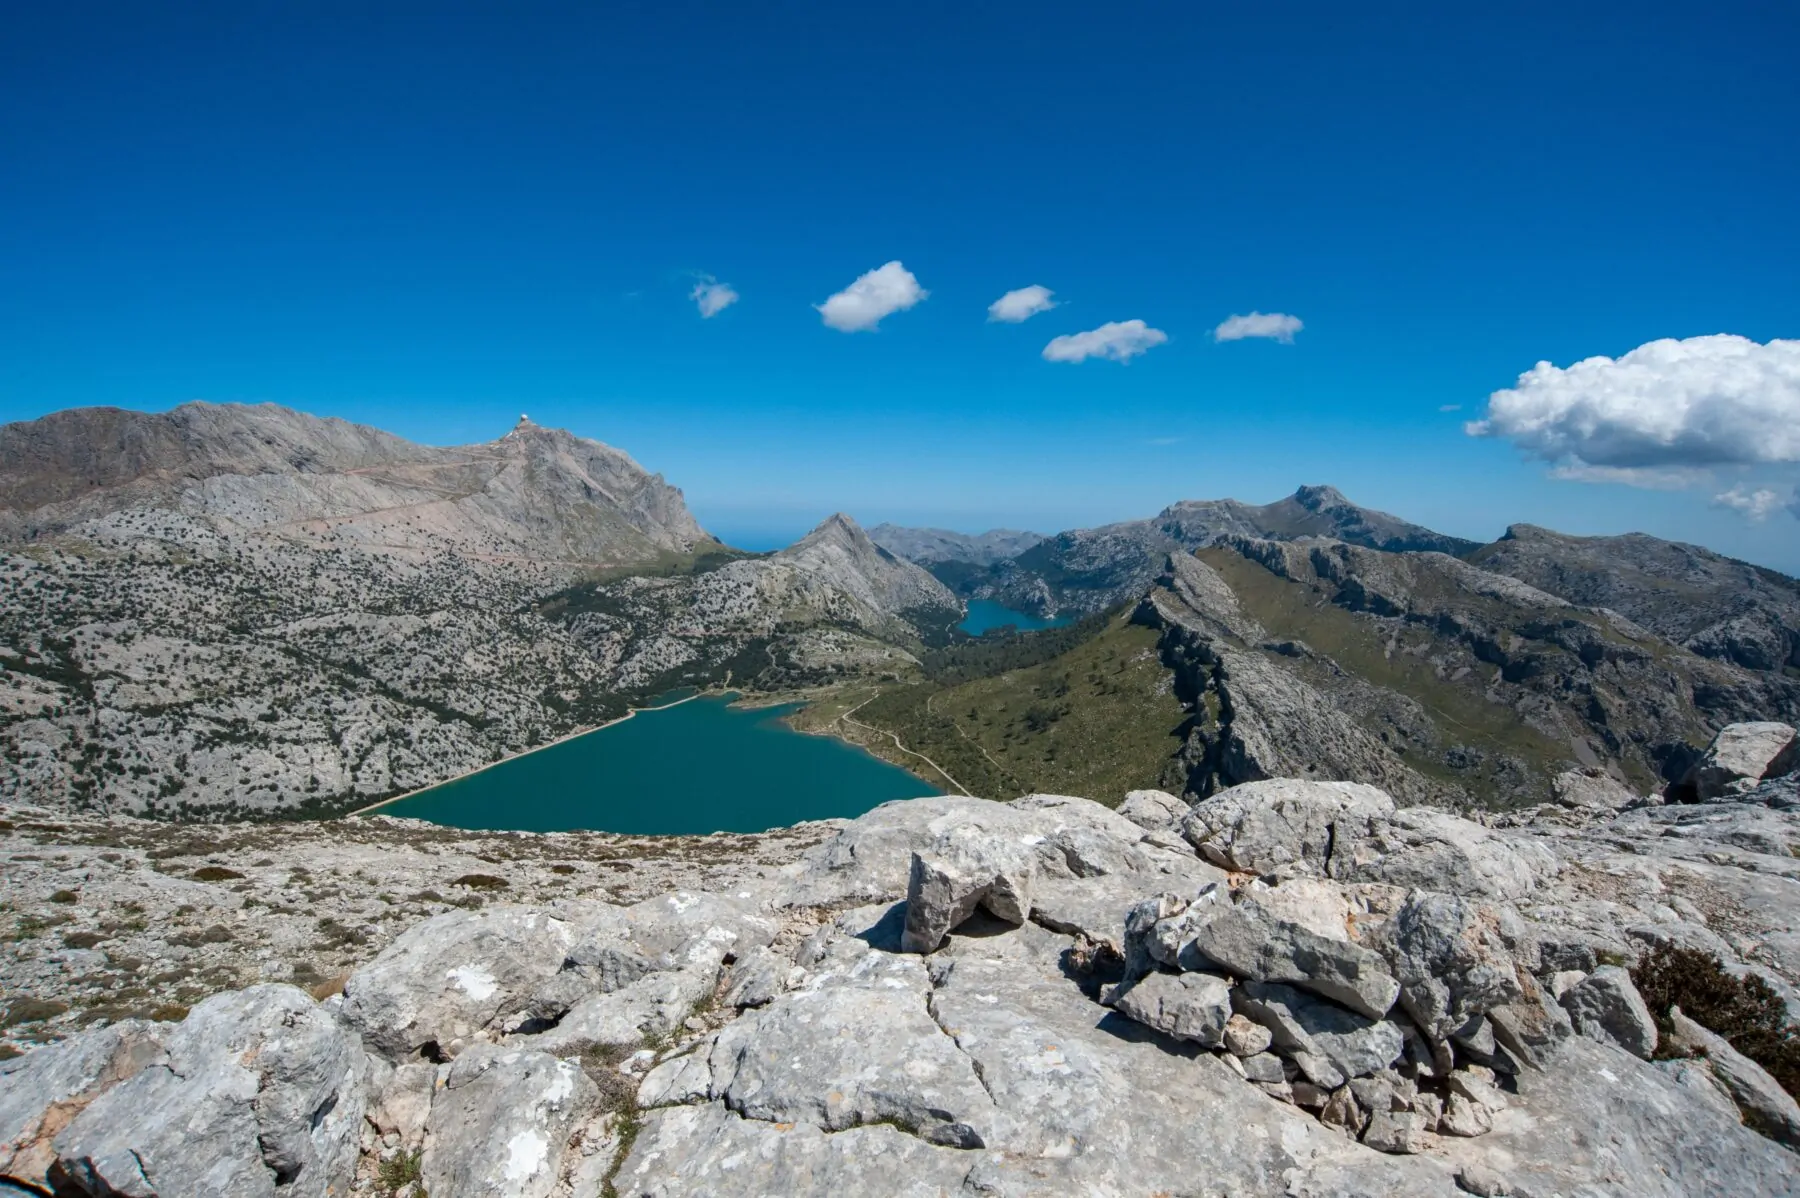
[(230, 611), (929, 546), (1293, 986)]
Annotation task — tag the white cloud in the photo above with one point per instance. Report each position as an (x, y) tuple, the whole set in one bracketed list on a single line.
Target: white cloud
[(1022, 304), (1651, 478), (1276, 326), (1755, 505), (1119, 340), (1666, 406), (712, 297), (881, 292)]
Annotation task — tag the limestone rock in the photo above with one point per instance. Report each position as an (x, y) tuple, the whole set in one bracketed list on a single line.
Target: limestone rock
[(1246, 941), (756, 978), (1153, 810), (452, 976), (960, 874), (502, 1121), (42, 1091), (1765, 1106), (1606, 1007), (1245, 1037), (1400, 1132), (1743, 754), (1184, 1006), (1301, 1023), (1260, 826), (1590, 788), (258, 1092), (1451, 961)]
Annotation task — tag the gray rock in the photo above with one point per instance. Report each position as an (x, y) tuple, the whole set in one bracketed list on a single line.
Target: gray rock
[(1606, 1007), (1425, 849), (42, 1090), (757, 978), (1184, 1006), (1399, 1132), (1245, 941), (1300, 1023), (403, 1102), (1482, 1182), (706, 1151), (958, 875), (453, 976), (1463, 1117), (1264, 1067), (1765, 1106), (260, 1093), (1590, 788), (1260, 826), (1342, 1112), (1529, 1027), (1451, 961), (849, 1049), (502, 1122), (1153, 810), (1743, 754)]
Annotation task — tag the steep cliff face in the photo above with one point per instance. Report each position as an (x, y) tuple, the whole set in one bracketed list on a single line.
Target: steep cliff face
[(1715, 605), (1428, 676), (536, 493), (931, 546)]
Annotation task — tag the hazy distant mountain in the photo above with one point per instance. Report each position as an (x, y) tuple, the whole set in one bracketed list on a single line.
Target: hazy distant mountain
[(1093, 569), (536, 493), (1715, 605), (931, 545)]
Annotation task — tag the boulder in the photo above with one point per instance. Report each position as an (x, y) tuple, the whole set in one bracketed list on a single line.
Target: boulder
[(757, 978), (1590, 789), (1301, 1023), (502, 1121), (1184, 1006), (1245, 940), (1245, 1037), (41, 1092), (963, 872), (257, 1092), (443, 981), (1764, 1105), (1422, 848), (1606, 1007), (1258, 827), (1153, 810), (1451, 961), (1742, 755)]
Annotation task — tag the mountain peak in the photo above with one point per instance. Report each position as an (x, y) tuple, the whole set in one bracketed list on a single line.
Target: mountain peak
[(1315, 497)]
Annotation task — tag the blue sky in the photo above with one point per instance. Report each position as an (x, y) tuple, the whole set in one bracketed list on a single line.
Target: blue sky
[(434, 217)]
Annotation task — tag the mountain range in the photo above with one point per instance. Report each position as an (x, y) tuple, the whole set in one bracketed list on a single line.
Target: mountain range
[(236, 610)]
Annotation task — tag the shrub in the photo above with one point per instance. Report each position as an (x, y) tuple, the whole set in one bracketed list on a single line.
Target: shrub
[(215, 873), (65, 896), (481, 882), (402, 1169), (25, 1009), (82, 939), (1745, 1011)]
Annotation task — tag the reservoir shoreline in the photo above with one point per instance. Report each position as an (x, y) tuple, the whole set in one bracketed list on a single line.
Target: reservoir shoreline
[(549, 744)]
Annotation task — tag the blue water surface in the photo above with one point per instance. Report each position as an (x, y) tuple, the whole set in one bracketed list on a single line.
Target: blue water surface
[(985, 615)]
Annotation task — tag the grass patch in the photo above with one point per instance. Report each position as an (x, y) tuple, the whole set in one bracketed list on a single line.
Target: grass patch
[(215, 873), (402, 1169), (1097, 717)]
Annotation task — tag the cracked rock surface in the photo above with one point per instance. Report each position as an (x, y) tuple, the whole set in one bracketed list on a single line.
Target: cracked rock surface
[(1129, 1017)]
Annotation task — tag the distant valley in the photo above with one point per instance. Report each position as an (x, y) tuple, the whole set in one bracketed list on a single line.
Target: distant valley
[(227, 611)]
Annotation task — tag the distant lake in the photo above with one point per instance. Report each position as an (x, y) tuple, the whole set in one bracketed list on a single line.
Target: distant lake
[(697, 767), (985, 614)]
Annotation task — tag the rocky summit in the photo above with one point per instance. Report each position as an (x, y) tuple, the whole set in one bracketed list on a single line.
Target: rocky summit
[(1293, 986)]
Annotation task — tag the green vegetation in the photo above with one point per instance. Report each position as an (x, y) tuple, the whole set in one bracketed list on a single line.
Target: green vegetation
[(1745, 1011), (400, 1170), (1458, 706), (1087, 709)]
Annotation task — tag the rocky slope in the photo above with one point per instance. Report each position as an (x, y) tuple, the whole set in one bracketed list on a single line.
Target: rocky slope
[(1428, 676), (1087, 570), (227, 610), (1292, 987), (832, 604), (933, 546), (1714, 605)]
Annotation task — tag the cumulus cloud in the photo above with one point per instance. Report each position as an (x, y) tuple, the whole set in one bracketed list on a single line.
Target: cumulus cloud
[(1756, 505), (1666, 406), (881, 292), (1276, 326), (1118, 340), (1651, 478), (712, 297), (1022, 304)]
